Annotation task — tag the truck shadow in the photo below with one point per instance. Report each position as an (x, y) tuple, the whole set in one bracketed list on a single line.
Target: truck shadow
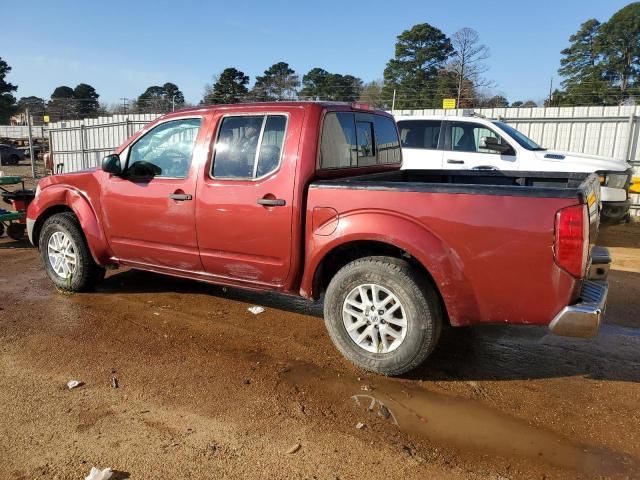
[(9, 244), (492, 352)]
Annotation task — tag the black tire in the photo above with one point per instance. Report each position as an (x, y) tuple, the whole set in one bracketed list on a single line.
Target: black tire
[(416, 295), (16, 231), (1, 229), (14, 160), (87, 272)]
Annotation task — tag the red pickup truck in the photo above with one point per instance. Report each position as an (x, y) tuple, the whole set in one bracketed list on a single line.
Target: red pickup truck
[(308, 199)]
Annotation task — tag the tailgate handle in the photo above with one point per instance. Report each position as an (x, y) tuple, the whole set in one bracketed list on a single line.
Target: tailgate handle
[(457, 162), (180, 197), (272, 202)]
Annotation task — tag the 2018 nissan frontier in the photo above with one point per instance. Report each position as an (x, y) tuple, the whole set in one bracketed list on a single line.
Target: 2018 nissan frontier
[(308, 198)]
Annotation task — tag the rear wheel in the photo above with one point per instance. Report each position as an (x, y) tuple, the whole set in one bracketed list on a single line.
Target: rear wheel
[(65, 254), (13, 160), (382, 315)]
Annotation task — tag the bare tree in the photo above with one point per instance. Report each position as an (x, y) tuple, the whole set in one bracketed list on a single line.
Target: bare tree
[(467, 61)]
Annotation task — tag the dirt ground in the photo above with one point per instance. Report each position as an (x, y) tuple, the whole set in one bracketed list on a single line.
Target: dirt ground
[(208, 390)]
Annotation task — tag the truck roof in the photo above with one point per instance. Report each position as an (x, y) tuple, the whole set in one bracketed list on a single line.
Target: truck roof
[(262, 105), (465, 118)]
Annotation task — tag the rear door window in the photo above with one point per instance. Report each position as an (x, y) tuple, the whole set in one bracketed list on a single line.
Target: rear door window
[(358, 139), (424, 134), (249, 146)]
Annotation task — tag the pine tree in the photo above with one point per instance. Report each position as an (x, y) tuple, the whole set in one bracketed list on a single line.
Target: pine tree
[(7, 100), (230, 87), (419, 54)]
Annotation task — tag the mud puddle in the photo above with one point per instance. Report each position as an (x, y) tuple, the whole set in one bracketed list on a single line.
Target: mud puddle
[(462, 424)]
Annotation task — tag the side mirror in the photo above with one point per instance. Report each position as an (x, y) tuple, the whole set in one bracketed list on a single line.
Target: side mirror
[(111, 164), (492, 143)]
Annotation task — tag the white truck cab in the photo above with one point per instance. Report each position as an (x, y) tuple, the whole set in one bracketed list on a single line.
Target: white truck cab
[(474, 142)]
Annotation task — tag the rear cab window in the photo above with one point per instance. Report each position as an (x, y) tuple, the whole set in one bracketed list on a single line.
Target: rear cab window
[(354, 139)]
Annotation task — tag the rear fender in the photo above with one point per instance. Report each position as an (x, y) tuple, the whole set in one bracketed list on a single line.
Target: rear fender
[(443, 263), (55, 196)]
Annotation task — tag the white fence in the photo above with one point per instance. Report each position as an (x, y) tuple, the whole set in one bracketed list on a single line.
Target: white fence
[(18, 131), (80, 144)]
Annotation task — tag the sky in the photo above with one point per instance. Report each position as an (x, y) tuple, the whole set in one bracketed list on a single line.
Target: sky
[(122, 47)]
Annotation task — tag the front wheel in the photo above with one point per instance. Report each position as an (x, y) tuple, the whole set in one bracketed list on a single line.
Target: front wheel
[(65, 254), (382, 315)]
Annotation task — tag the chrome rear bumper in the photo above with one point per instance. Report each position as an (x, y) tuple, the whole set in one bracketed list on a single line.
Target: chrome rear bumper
[(583, 318)]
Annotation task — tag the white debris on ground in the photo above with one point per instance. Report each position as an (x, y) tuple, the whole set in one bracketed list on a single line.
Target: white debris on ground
[(293, 449), (97, 474), (256, 310), (71, 384)]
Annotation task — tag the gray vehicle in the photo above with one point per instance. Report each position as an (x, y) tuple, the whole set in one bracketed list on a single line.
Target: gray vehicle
[(10, 155)]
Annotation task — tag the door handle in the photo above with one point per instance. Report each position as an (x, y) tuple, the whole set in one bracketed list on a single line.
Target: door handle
[(457, 162), (272, 202), (180, 197)]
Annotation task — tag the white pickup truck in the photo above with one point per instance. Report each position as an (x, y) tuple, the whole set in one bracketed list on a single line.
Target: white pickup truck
[(474, 142)]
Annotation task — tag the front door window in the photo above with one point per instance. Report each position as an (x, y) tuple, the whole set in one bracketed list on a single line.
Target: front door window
[(165, 151)]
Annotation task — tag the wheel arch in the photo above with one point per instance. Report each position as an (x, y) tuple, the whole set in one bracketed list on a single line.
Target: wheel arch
[(401, 238), (60, 200)]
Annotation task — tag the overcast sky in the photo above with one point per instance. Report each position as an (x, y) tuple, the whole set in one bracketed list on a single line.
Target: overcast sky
[(121, 47)]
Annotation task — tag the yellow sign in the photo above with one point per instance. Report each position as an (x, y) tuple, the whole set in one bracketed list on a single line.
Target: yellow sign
[(448, 103), (45, 118)]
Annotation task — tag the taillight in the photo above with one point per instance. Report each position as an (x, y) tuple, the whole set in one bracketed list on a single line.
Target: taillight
[(571, 247)]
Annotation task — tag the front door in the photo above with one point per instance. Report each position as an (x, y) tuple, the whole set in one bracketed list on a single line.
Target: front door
[(149, 210), (464, 148), (245, 202)]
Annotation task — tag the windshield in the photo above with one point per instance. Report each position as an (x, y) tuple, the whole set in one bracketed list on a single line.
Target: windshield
[(519, 137)]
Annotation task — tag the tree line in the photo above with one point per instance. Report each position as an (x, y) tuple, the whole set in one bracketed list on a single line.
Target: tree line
[(601, 66), (602, 63)]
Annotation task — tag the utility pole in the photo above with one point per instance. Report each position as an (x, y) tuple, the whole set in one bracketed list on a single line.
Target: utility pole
[(124, 104), (550, 91), (173, 103), (33, 167), (393, 102)]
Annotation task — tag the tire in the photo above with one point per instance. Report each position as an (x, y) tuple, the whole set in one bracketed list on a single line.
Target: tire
[(396, 282), (14, 160), (1, 229), (67, 231), (16, 231)]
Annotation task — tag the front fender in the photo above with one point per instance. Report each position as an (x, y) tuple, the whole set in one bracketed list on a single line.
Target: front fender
[(50, 199), (441, 261)]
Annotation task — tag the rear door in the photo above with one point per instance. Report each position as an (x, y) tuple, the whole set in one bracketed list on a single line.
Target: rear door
[(421, 144), (464, 148), (245, 201)]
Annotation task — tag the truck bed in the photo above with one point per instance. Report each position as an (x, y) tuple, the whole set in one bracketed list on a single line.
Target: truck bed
[(484, 182), (486, 237)]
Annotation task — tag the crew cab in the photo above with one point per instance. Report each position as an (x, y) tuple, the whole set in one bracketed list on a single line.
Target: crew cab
[(474, 142), (308, 199)]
